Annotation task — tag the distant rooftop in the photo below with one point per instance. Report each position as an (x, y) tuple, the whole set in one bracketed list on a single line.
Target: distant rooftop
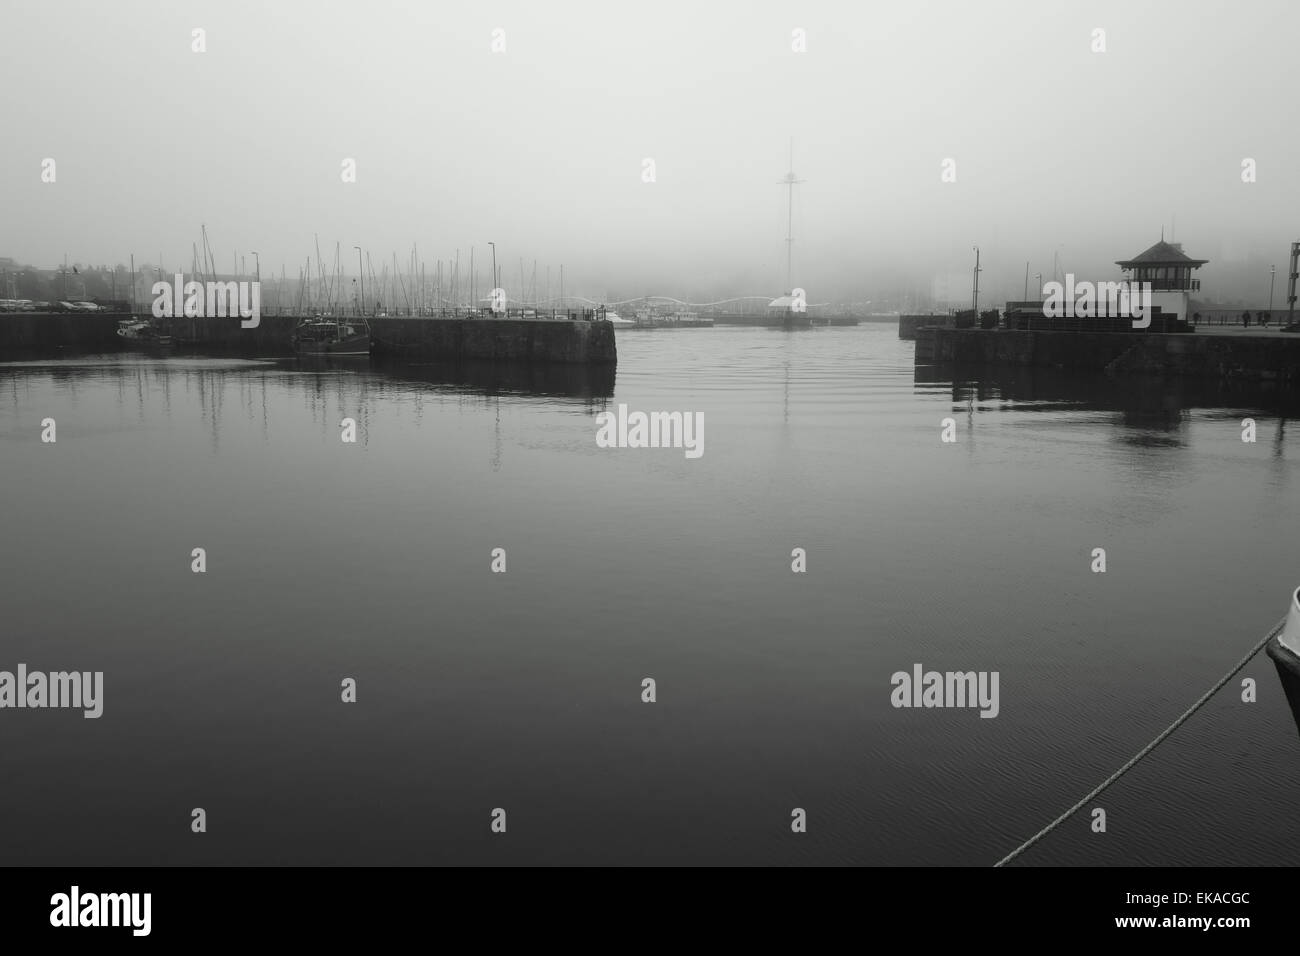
[(1162, 254)]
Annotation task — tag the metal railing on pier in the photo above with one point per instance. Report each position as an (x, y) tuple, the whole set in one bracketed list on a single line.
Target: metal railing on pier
[(1030, 321), (577, 315), (1234, 317)]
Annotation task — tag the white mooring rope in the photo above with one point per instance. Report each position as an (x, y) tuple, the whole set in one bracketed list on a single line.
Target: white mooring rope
[(1277, 629)]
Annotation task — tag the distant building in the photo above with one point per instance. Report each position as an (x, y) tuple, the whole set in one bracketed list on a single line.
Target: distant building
[(789, 311), (1169, 270)]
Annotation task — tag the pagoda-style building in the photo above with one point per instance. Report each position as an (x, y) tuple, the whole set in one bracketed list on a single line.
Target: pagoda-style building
[(1169, 270)]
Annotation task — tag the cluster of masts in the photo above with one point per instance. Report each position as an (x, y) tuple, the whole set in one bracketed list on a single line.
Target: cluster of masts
[(420, 287), (424, 288), (415, 287)]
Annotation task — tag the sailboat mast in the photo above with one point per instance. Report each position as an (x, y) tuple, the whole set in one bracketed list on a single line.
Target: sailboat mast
[(790, 182), (789, 222)]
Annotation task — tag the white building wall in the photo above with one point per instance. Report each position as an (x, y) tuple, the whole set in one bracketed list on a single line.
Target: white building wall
[(1172, 303)]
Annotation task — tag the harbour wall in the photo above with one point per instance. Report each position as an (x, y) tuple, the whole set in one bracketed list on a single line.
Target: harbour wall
[(48, 332), (908, 324), (514, 340), (1265, 358), (426, 339)]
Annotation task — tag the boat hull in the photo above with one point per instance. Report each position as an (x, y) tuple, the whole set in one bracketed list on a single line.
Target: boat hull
[(1283, 650), (354, 347), (346, 338), (1287, 665), (140, 333), (1290, 636)]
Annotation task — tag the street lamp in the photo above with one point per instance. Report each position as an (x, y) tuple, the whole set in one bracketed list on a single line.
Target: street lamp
[(1038, 280), (257, 264), (361, 269), (1272, 271)]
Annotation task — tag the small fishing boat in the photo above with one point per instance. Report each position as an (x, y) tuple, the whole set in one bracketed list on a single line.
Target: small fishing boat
[(143, 332), (321, 335)]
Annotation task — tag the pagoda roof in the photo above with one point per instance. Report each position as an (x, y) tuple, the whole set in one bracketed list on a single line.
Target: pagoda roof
[(1161, 254)]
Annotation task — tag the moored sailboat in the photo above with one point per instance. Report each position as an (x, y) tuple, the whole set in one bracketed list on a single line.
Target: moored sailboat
[(322, 335), (142, 332)]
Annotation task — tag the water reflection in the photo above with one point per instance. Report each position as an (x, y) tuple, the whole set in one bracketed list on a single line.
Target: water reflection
[(330, 388), (209, 389), (825, 440), (1150, 400), (499, 378), (1152, 411)]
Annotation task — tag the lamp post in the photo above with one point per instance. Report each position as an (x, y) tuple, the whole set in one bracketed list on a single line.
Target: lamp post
[(1038, 280), (975, 296), (362, 271), (1291, 280), (1272, 272), (257, 271)]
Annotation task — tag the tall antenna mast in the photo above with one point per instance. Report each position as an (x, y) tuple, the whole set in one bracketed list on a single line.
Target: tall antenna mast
[(789, 182)]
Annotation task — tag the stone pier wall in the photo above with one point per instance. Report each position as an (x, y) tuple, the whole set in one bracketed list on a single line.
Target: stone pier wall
[(1256, 358), (427, 339)]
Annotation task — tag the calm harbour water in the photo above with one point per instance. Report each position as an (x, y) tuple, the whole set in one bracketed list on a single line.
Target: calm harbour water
[(523, 690)]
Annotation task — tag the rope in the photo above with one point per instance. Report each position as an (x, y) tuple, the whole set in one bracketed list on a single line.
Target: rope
[(1277, 629)]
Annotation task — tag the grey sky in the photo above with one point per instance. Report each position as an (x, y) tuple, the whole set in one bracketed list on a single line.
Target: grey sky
[(540, 148)]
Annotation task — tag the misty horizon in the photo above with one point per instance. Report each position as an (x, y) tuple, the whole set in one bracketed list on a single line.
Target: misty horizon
[(1066, 159)]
